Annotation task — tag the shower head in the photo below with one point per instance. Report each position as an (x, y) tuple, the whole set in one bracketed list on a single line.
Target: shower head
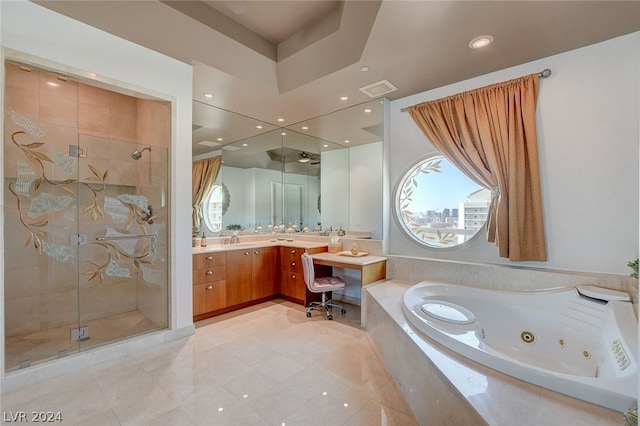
[(136, 155)]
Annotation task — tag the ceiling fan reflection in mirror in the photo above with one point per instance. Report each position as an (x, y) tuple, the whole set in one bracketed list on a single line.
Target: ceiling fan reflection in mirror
[(306, 157)]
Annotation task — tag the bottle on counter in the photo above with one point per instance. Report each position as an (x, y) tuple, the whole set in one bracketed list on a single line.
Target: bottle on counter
[(203, 240), (354, 249), (193, 240)]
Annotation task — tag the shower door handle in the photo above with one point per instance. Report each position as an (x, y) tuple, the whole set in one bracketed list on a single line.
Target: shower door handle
[(132, 237), (126, 237)]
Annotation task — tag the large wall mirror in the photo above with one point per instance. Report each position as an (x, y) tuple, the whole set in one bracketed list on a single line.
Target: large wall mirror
[(322, 173)]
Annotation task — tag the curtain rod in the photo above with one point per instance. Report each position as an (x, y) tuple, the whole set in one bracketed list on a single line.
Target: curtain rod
[(542, 74)]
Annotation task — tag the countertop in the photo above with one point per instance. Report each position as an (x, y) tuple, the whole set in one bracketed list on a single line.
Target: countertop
[(258, 244), (351, 260)]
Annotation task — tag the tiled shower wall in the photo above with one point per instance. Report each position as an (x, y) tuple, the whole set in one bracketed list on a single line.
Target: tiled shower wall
[(34, 302)]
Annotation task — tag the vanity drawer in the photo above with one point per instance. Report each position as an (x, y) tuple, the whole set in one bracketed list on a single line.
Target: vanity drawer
[(213, 273), (209, 297), (205, 260), (293, 285), (291, 258)]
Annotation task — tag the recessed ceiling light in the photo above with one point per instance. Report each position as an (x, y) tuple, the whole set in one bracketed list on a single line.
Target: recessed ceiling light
[(244, 144), (208, 95), (368, 110), (305, 127), (364, 68), (283, 134), (219, 139), (258, 127), (280, 119), (347, 141), (344, 98), (480, 41), (325, 146)]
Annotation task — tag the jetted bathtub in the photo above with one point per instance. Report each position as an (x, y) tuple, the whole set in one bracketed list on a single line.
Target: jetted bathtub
[(579, 341)]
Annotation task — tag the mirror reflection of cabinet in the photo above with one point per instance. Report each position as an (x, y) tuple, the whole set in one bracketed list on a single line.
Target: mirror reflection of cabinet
[(301, 175)]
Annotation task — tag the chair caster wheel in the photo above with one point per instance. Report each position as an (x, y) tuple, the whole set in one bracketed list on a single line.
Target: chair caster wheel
[(344, 311), (308, 314), (329, 317)]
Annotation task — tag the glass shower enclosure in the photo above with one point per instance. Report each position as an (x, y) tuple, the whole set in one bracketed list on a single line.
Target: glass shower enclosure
[(86, 217)]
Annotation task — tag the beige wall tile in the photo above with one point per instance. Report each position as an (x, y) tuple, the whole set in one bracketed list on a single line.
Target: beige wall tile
[(15, 77), (23, 100), (51, 86), (94, 118), (92, 95), (122, 125), (22, 315)]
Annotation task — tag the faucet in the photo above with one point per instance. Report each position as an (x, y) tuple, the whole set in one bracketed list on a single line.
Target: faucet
[(149, 216), (234, 239), (328, 231)]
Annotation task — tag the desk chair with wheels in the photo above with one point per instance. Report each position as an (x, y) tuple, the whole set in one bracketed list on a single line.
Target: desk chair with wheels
[(320, 285)]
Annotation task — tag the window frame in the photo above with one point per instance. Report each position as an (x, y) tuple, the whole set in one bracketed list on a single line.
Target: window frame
[(397, 209), (223, 208)]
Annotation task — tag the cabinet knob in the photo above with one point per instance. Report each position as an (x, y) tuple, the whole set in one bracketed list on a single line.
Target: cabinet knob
[(293, 252), (293, 263), (209, 287), (247, 253), (209, 257), (293, 277), (256, 252), (209, 272)]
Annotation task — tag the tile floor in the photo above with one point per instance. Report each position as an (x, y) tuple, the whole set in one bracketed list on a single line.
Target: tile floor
[(46, 344), (264, 365)]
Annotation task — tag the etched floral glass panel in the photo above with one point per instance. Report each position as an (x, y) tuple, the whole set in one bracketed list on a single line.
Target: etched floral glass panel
[(86, 216), (438, 206)]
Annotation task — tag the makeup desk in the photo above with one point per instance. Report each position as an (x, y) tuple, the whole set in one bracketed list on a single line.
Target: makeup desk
[(372, 268)]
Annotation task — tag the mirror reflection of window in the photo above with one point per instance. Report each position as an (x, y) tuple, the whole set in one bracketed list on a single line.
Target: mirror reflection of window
[(438, 206), (213, 209)]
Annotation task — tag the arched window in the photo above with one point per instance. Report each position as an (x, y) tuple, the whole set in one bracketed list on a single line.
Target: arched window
[(438, 206), (214, 207)]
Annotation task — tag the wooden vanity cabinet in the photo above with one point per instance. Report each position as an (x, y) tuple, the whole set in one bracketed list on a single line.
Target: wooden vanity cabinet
[(252, 274), (209, 284), (265, 270), (228, 280), (239, 276), (293, 285)]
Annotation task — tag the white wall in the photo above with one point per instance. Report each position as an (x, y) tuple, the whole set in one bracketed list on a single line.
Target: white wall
[(365, 183), (310, 190), (334, 187), (31, 30), (588, 121)]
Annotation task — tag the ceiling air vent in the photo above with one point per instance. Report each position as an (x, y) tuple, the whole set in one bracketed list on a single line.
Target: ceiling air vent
[(378, 89), (209, 143)]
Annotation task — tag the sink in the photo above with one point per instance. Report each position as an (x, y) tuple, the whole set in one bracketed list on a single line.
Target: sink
[(245, 244)]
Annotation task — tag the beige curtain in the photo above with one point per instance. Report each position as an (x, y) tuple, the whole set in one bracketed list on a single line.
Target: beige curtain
[(490, 135), (203, 177)]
